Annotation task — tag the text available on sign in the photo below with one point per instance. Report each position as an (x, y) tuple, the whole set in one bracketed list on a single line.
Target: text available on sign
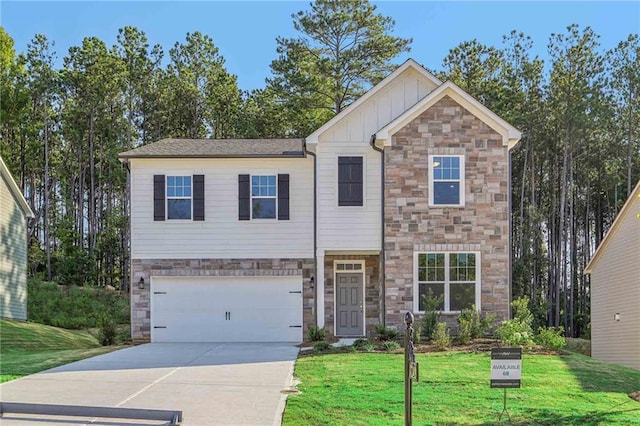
[(506, 367)]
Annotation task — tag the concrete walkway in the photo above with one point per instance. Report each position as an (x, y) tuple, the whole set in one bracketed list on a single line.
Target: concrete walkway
[(212, 383)]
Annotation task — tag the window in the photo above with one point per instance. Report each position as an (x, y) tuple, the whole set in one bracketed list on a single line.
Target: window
[(263, 197), (350, 181), (447, 180), (178, 197), (453, 276)]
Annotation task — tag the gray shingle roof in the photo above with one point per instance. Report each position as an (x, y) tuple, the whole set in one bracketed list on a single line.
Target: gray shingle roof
[(199, 148)]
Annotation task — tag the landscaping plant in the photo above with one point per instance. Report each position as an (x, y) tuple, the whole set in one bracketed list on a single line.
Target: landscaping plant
[(517, 331), (551, 338), (430, 318), (441, 337), (316, 334), (385, 333)]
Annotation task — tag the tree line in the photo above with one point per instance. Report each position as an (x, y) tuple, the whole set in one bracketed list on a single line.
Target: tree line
[(63, 127)]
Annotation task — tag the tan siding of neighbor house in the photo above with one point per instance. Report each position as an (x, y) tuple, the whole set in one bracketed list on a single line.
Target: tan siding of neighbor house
[(615, 288), (13, 256)]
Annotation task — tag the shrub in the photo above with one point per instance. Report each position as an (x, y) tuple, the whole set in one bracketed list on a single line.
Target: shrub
[(390, 345), (385, 333), (430, 318), (441, 336), (551, 338), (316, 334), (417, 332), (517, 331), (321, 347), (107, 331), (365, 345), (472, 325)]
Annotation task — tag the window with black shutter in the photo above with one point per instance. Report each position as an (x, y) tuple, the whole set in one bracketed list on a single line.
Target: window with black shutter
[(198, 197), (350, 181), (158, 198)]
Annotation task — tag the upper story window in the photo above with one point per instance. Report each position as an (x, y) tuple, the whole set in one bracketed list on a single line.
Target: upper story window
[(446, 186), (263, 197), (455, 277), (350, 181), (179, 197)]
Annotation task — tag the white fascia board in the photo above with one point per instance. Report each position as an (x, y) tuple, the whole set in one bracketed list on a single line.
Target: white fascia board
[(313, 138), (13, 188), (626, 209), (510, 135)]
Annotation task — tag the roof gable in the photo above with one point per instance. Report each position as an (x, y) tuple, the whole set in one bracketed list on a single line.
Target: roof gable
[(314, 137), (626, 210), (15, 191), (510, 135)]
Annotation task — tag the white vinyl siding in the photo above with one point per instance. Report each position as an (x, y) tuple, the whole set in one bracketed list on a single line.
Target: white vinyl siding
[(615, 288), (13, 256), (221, 235), (359, 227)]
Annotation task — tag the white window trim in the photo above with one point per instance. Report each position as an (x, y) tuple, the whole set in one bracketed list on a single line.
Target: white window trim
[(335, 290), (447, 281), (251, 197), (461, 181), (167, 197), (364, 181)]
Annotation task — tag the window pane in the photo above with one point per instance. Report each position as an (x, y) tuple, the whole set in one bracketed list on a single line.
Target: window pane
[(186, 182), (446, 193), (422, 260), (264, 208), (178, 209), (433, 290), (422, 274), (462, 296), (255, 180)]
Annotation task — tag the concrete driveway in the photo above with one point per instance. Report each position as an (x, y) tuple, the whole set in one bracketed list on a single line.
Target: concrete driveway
[(212, 383)]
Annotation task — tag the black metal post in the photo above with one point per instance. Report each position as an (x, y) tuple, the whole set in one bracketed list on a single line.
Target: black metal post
[(409, 360)]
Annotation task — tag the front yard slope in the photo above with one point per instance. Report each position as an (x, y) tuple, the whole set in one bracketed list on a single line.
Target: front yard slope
[(26, 348), (368, 389)]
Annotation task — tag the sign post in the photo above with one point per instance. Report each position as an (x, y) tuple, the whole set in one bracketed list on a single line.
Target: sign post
[(506, 371), (410, 369)]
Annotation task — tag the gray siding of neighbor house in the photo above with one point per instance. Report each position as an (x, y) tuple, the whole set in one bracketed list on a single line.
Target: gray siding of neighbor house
[(615, 289), (13, 256)]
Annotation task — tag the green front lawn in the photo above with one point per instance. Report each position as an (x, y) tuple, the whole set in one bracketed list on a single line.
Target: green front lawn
[(368, 389), (26, 348)]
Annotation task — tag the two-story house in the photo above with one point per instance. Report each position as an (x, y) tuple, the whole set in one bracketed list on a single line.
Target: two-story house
[(404, 191)]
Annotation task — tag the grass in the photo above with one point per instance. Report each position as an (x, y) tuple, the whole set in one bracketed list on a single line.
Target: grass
[(26, 348), (368, 389)]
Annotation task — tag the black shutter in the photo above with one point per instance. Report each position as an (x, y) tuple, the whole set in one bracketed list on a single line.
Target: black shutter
[(283, 197), (198, 197), (158, 197), (244, 198), (350, 181)]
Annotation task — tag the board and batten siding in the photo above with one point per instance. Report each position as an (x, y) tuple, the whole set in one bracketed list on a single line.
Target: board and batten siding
[(354, 227), (13, 256), (615, 288), (222, 235)]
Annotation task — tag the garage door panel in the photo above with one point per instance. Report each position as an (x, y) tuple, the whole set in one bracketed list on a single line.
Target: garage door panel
[(226, 309)]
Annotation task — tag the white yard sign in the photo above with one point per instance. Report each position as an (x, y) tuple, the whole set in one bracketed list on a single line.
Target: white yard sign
[(506, 367)]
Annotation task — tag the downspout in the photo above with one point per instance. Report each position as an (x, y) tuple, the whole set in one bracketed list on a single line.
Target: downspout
[(315, 219), (372, 142)]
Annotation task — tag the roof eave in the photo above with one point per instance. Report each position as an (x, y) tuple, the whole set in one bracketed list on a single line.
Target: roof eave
[(167, 156), (15, 190)]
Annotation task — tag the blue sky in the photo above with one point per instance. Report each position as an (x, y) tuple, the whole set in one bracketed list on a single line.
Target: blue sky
[(245, 32)]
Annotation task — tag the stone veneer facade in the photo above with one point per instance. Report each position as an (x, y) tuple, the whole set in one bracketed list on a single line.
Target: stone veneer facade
[(411, 225), (147, 268), (372, 290)]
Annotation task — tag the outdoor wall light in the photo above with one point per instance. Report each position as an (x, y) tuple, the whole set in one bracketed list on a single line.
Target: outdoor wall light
[(141, 283), (311, 281), (616, 316)]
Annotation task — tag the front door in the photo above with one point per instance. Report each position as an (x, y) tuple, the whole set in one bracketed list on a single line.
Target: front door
[(349, 304)]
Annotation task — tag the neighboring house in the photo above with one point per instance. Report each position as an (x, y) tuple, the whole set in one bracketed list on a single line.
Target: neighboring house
[(14, 216), (615, 289), (405, 190)]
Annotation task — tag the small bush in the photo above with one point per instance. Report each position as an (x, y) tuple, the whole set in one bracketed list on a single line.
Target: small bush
[(316, 334), (430, 318), (385, 334), (472, 325), (107, 331), (517, 331), (417, 332), (321, 347), (390, 345), (365, 345), (551, 338), (441, 336)]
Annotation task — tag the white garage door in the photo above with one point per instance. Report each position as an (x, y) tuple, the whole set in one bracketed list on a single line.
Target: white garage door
[(226, 309)]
